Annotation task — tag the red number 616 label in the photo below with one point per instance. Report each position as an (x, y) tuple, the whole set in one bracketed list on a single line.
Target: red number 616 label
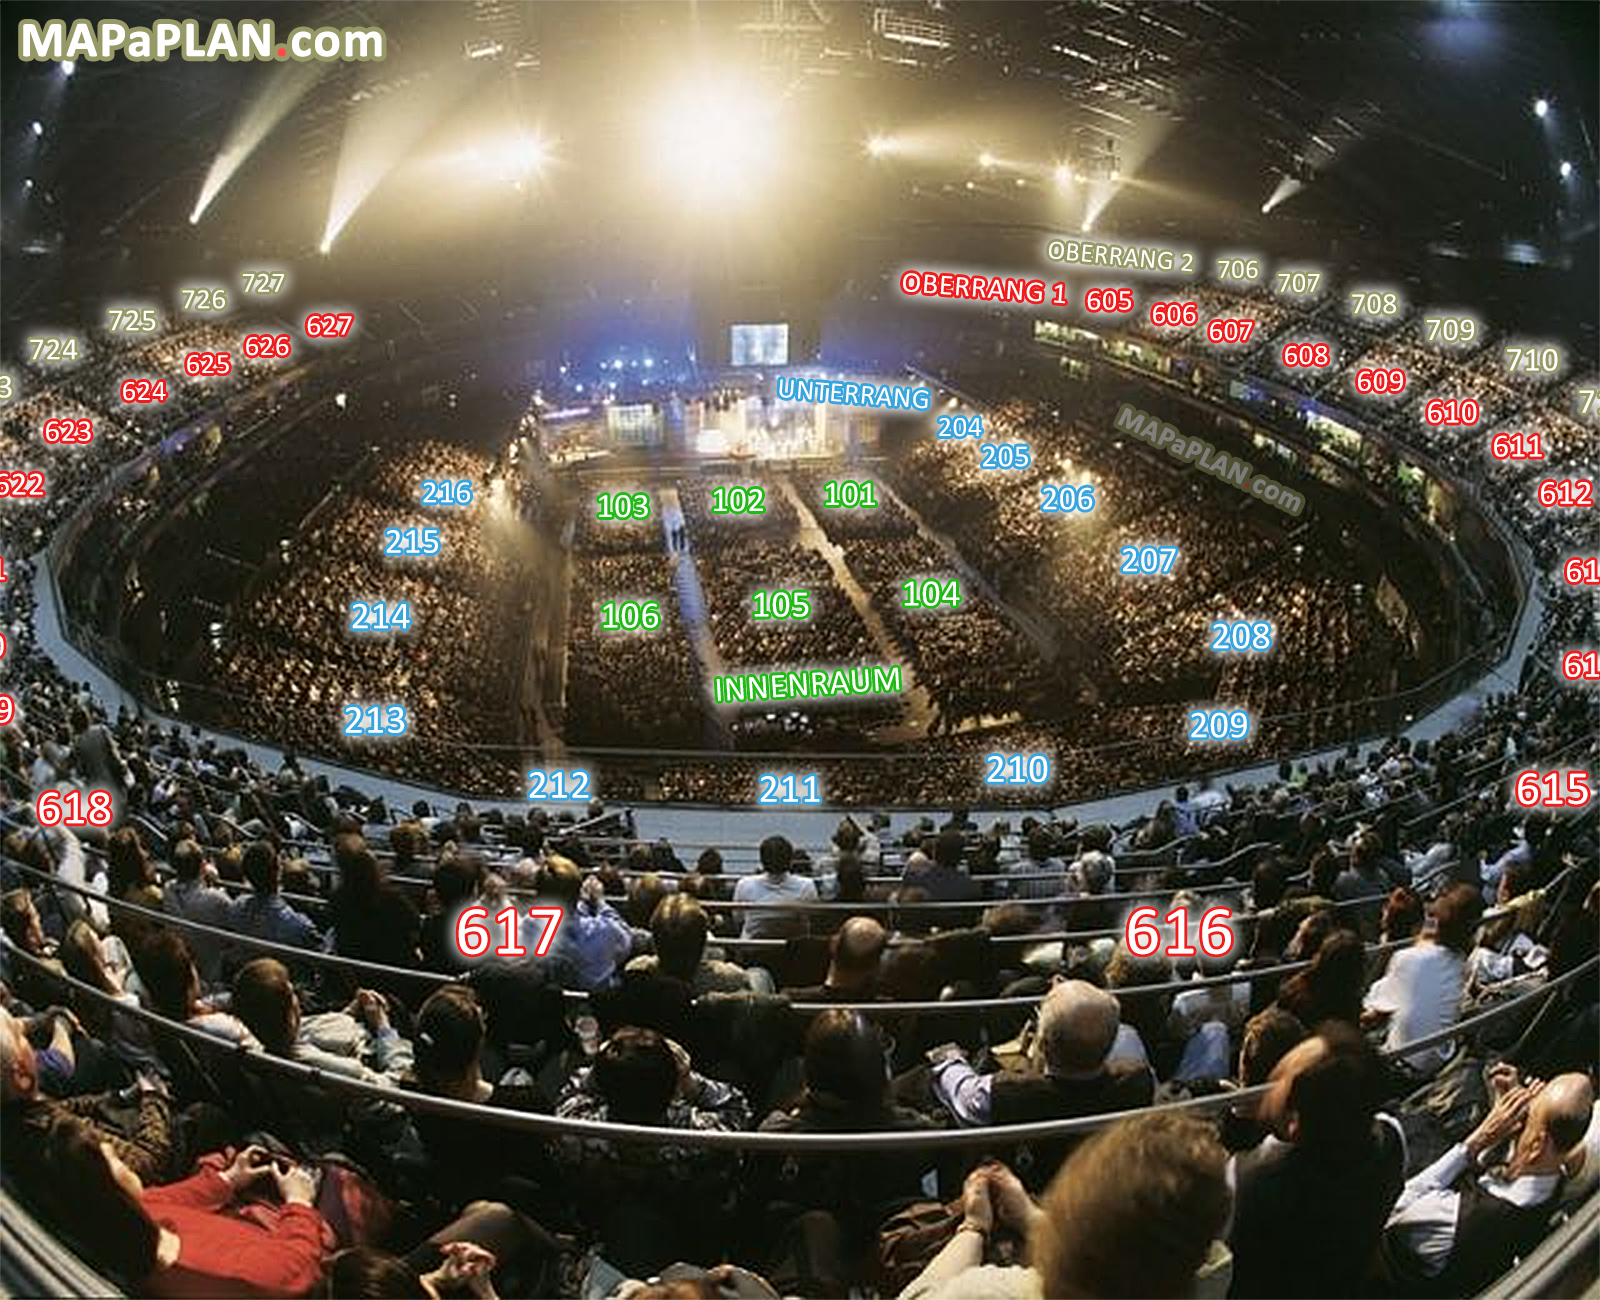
[(1144, 937)]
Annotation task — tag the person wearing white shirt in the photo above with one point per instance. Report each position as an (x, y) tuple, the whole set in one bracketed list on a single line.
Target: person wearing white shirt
[(775, 885), (1457, 1228), (1420, 993)]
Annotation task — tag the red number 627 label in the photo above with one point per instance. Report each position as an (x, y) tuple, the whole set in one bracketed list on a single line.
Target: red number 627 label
[(329, 325)]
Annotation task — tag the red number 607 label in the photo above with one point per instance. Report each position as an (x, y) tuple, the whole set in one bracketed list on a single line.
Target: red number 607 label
[(1145, 939)]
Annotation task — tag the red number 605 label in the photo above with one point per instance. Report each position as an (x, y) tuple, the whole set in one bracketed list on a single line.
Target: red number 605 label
[(1144, 938)]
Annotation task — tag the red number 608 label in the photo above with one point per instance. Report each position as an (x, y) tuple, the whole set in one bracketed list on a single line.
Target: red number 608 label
[(1144, 937)]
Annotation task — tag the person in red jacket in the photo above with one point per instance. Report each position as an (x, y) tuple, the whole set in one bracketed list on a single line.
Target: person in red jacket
[(187, 1238)]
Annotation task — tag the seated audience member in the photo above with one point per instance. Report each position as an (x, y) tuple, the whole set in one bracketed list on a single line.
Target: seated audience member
[(1464, 1220), (467, 1158), (853, 966), (132, 878), (1402, 916), (1068, 1073), (371, 919), (1041, 860), (1364, 883), (172, 989), (660, 1201), (264, 912), (21, 923), (457, 883), (358, 1042), (1268, 1037), (593, 941), (183, 1240), (679, 927), (463, 1257), (774, 884), (194, 898), (846, 1090), (1420, 993), (1331, 987), (943, 881), (1311, 1200), (148, 1144), (1136, 1211)]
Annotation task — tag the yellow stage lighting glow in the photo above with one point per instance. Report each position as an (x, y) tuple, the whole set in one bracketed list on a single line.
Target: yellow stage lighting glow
[(879, 145), (716, 134)]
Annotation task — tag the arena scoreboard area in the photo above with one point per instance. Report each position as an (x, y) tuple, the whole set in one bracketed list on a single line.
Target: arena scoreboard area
[(768, 414)]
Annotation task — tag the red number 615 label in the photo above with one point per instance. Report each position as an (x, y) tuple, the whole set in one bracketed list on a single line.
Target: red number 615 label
[(1144, 937)]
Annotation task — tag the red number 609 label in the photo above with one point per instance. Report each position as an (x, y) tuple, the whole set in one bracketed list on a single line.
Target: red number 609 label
[(1145, 939)]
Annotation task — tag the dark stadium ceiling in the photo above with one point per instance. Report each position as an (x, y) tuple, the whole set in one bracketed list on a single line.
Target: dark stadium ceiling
[(1405, 123)]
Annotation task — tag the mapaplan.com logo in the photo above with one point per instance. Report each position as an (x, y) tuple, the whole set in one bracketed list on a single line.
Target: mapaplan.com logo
[(239, 42)]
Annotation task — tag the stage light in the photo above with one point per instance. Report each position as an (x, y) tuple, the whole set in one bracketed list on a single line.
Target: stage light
[(880, 145), (1063, 175), (1287, 188), (280, 91), (27, 183), (1115, 174), (326, 246), (1541, 107), (1088, 224), (716, 139), (1566, 170), (68, 67), (986, 160), (38, 129)]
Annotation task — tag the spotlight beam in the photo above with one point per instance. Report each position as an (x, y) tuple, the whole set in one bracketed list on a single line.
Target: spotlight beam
[(284, 88)]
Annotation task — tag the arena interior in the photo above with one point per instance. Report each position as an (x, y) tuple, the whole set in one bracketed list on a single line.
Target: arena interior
[(796, 648)]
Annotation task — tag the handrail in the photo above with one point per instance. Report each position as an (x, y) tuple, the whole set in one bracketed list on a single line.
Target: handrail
[(550, 1125), (320, 958)]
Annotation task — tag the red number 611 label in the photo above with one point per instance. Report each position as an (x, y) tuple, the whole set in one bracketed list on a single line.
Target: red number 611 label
[(473, 938), (1145, 939)]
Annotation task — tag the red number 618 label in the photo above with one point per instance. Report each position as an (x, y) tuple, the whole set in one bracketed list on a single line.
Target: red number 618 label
[(1144, 937)]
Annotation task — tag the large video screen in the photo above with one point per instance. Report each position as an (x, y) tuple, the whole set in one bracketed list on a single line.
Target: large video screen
[(760, 345)]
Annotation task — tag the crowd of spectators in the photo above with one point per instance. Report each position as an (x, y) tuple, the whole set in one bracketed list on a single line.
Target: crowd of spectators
[(1344, 1150)]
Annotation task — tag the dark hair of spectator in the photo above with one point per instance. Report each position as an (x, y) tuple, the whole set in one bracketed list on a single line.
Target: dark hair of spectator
[(637, 1075), (776, 855), (264, 998)]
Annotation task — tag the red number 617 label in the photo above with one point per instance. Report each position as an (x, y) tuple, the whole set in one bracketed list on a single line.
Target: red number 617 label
[(1144, 937), (473, 938)]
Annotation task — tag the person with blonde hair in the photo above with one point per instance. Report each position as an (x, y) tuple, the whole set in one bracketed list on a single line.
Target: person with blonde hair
[(1136, 1211)]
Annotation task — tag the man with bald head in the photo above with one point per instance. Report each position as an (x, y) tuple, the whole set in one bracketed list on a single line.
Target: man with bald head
[(1068, 1074), (853, 968), (1462, 1221)]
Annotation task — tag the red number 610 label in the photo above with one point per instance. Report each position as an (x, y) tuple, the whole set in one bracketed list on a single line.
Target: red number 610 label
[(1144, 937)]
